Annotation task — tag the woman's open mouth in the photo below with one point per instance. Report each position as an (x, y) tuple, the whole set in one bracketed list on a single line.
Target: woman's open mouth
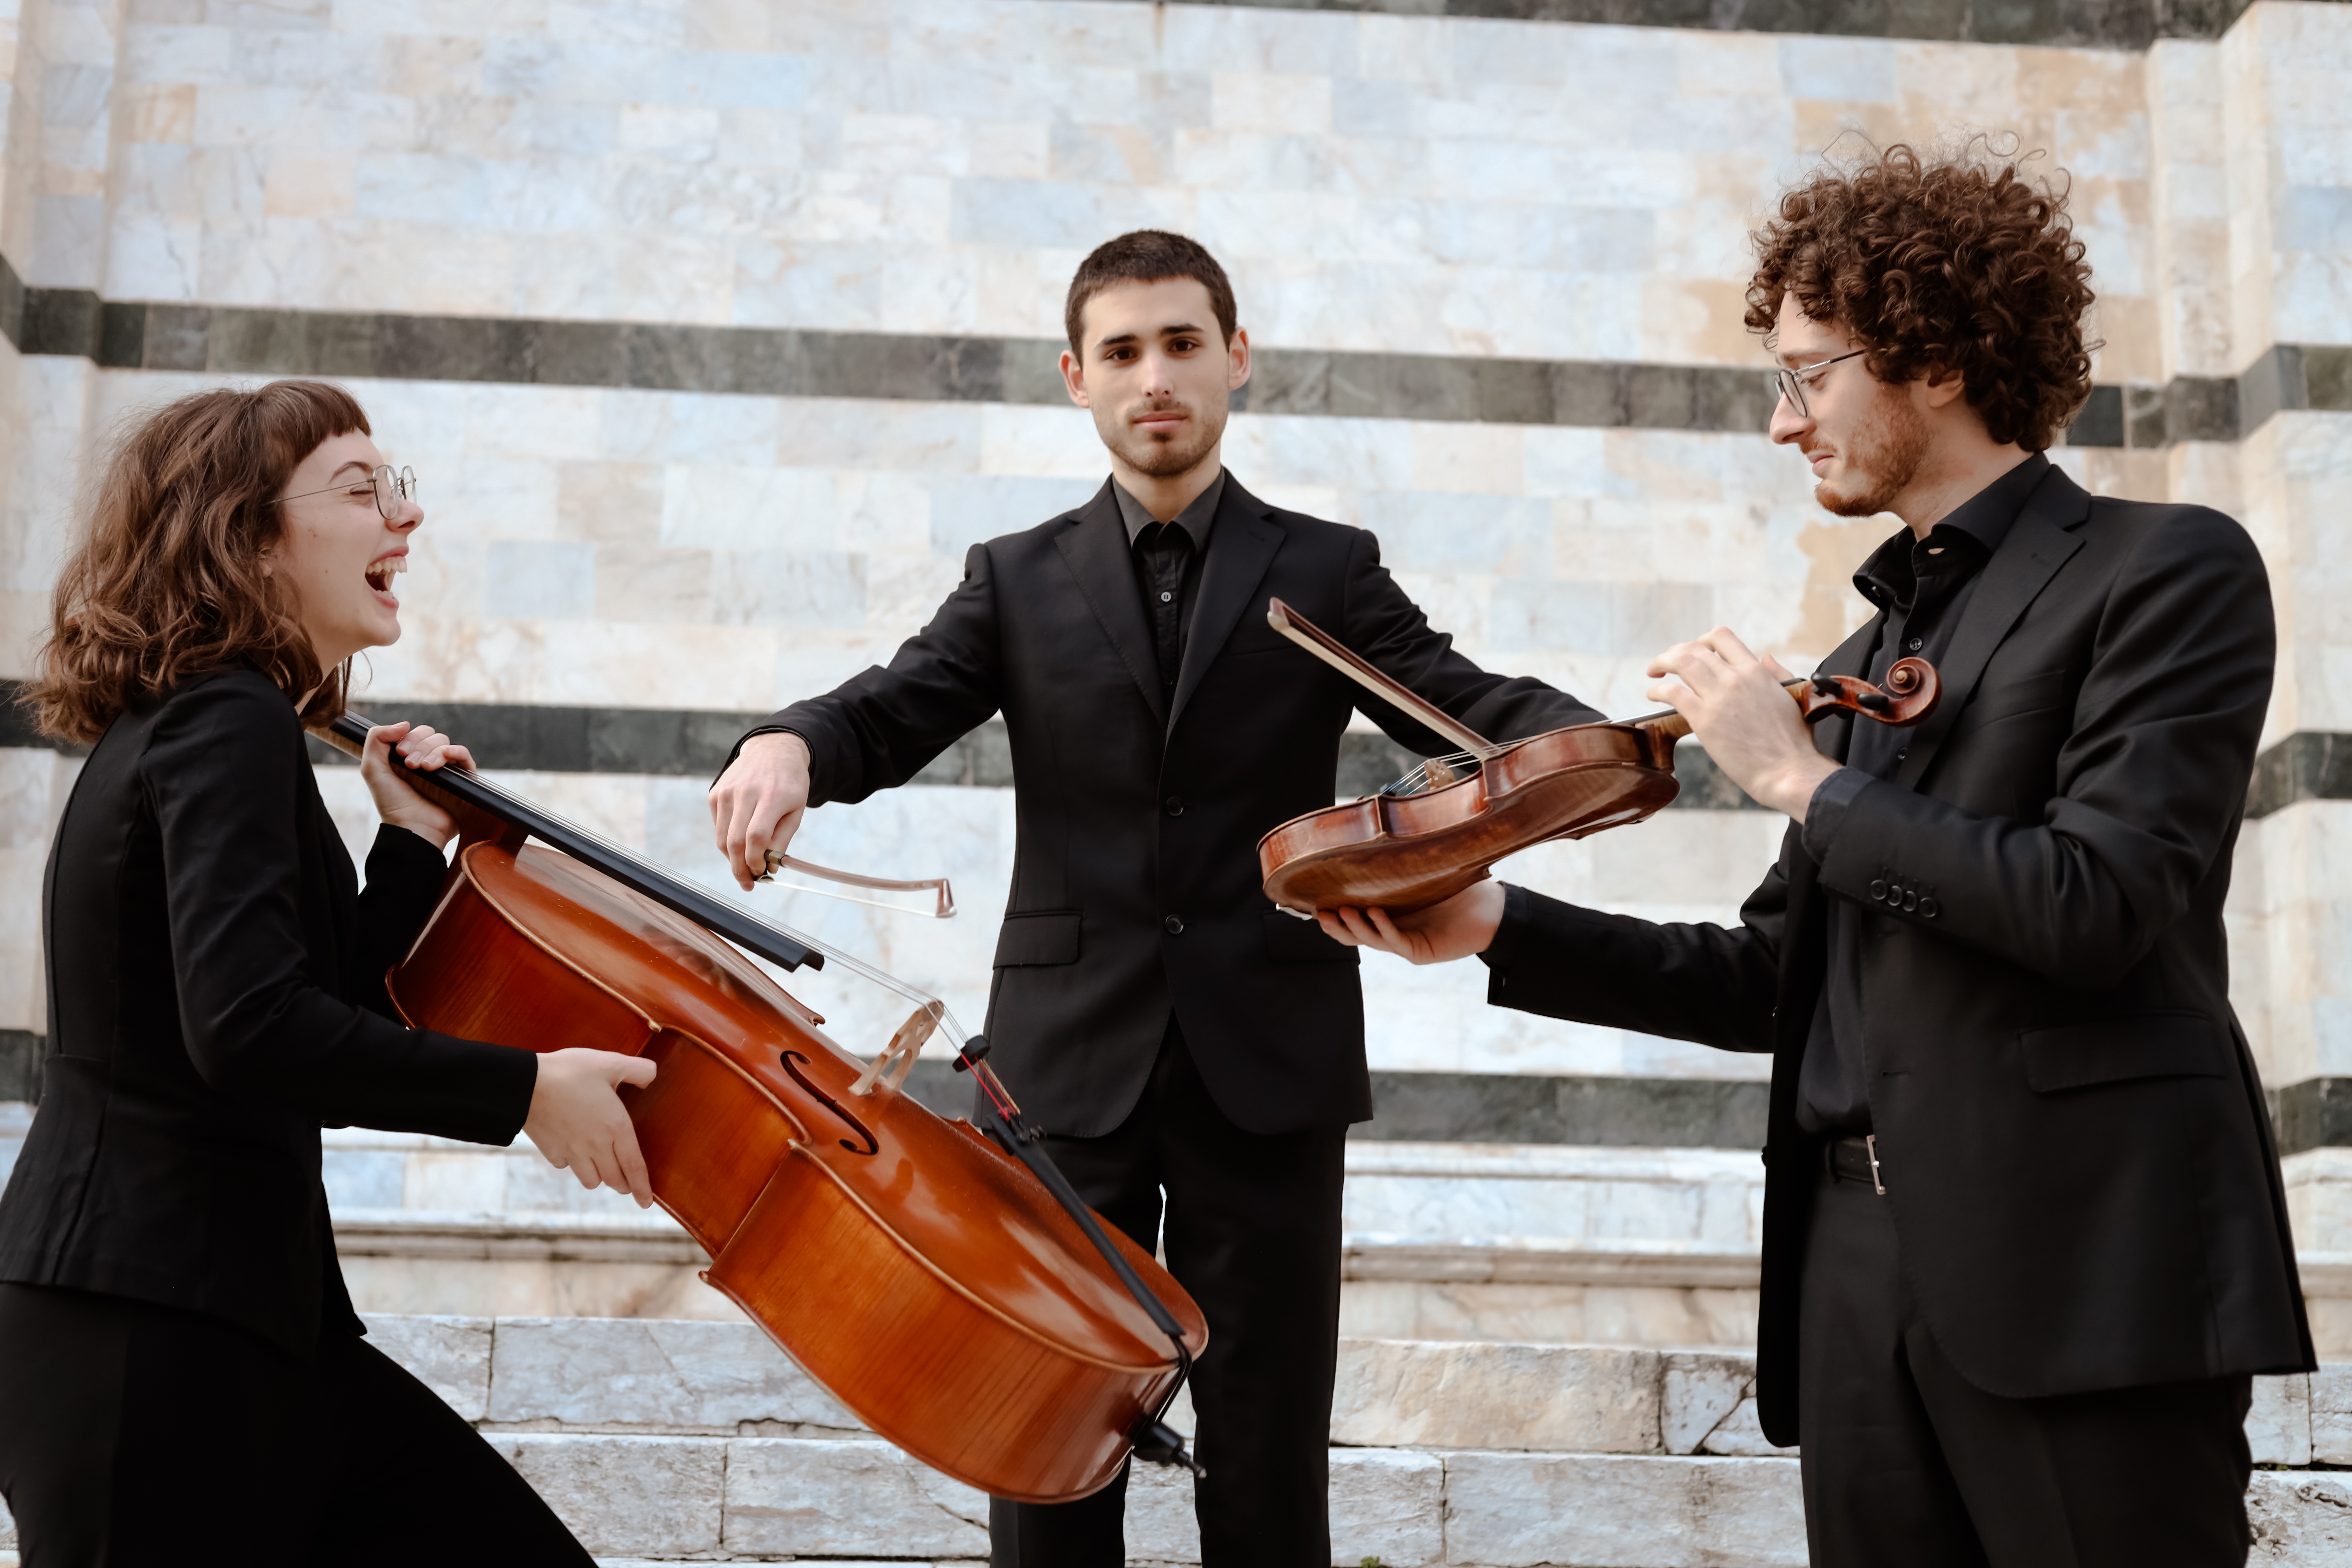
[(381, 573)]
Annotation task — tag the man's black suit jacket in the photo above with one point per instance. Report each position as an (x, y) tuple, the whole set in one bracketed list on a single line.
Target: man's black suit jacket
[(2076, 1153), (1135, 882), (216, 994)]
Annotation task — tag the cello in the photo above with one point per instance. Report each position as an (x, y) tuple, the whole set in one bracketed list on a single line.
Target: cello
[(1426, 837), (941, 1280)]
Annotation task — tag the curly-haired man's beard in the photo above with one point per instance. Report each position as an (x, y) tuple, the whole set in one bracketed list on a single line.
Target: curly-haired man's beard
[(1164, 459), (1880, 458)]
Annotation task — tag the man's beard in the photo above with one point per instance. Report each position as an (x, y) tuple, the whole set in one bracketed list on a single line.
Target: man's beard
[(1881, 458), (1165, 459)]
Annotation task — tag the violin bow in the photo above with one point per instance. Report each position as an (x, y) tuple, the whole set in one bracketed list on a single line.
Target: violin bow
[(349, 734), (1338, 655), (946, 906), (1908, 697)]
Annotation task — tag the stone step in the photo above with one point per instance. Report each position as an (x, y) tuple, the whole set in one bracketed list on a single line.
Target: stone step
[(1443, 1240), (1464, 1509), (1396, 1191), (687, 1378), (661, 1442)]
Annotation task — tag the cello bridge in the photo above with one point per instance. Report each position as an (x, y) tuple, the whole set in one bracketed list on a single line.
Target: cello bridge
[(890, 1067)]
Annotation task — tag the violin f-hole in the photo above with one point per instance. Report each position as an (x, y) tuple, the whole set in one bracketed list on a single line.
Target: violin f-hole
[(872, 1144)]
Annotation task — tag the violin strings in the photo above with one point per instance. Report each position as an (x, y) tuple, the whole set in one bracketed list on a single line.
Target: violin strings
[(888, 982), (1417, 781)]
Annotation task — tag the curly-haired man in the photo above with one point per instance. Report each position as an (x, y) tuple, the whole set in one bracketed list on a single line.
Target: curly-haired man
[(2024, 1236)]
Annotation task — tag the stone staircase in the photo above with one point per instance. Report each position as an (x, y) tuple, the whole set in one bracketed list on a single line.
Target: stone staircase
[(1540, 1243), (1544, 1365), (668, 1441)]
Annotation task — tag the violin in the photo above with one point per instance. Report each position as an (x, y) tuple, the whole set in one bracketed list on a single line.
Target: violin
[(942, 1279), (1426, 837)]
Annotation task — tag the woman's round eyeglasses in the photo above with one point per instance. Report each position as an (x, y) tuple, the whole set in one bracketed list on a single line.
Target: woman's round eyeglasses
[(1791, 383), (391, 490)]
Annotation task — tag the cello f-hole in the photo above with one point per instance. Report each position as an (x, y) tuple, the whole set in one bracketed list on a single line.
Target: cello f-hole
[(792, 1060)]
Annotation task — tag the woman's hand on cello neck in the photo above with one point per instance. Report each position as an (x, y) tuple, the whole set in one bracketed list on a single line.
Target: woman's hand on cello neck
[(398, 801)]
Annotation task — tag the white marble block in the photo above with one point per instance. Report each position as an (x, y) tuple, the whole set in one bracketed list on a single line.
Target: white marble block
[(816, 1499), (653, 1373), (1522, 1510), (449, 1355), (1580, 1399), (626, 1495)]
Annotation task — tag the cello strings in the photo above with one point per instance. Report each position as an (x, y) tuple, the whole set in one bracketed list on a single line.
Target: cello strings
[(888, 982)]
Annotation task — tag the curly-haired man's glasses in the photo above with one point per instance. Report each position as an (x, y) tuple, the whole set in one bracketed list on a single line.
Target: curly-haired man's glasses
[(1791, 383)]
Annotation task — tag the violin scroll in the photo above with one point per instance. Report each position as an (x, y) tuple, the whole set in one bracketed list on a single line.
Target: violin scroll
[(1910, 694)]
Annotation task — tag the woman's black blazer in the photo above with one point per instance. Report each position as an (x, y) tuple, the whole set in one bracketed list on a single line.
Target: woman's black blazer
[(216, 996)]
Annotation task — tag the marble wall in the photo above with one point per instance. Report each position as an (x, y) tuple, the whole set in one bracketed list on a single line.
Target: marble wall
[(1375, 181), (1382, 182)]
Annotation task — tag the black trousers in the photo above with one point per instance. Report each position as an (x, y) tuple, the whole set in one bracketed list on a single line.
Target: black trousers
[(1906, 1462), (133, 1435), (1253, 1233)]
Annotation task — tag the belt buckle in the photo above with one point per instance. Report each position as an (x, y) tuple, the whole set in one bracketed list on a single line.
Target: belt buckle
[(1870, 1146)]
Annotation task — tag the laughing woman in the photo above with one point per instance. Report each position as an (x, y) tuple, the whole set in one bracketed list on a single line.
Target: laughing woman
[(183, 1379)]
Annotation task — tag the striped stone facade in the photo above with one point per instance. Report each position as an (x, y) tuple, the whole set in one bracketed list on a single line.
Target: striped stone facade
[(718, 330)]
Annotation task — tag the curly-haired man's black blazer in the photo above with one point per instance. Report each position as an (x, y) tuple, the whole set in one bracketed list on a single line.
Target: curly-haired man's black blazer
[(2089, 1196)]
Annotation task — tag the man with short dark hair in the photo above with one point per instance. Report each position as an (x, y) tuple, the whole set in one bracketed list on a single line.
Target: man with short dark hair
[(1197, 1053), (2024, 1236)]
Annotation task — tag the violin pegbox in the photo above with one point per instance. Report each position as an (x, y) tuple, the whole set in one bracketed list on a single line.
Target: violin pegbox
[(1909, 695)]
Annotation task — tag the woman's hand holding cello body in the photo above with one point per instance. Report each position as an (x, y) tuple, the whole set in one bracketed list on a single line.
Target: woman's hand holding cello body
[(578, 1121)]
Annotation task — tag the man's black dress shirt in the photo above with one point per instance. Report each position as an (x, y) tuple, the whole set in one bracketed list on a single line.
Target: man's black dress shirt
[(1135, 887), (1924, 585), (1168, 557)]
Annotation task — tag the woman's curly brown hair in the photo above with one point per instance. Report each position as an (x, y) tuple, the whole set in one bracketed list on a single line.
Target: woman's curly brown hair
[(1953, 265), (168, 579)]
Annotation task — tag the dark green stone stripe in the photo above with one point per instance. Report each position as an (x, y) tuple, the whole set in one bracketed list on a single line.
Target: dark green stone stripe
[(695, 742), (687, 741), (2083, 24), (1509, 1108), (21, 1051), (2310, 765), (786, 362), (2313, 1114)]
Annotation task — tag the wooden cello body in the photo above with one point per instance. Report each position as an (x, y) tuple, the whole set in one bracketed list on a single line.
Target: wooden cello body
[(921, 1274)]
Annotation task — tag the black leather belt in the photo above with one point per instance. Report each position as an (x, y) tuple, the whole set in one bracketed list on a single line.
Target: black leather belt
[(1853, 1159)]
